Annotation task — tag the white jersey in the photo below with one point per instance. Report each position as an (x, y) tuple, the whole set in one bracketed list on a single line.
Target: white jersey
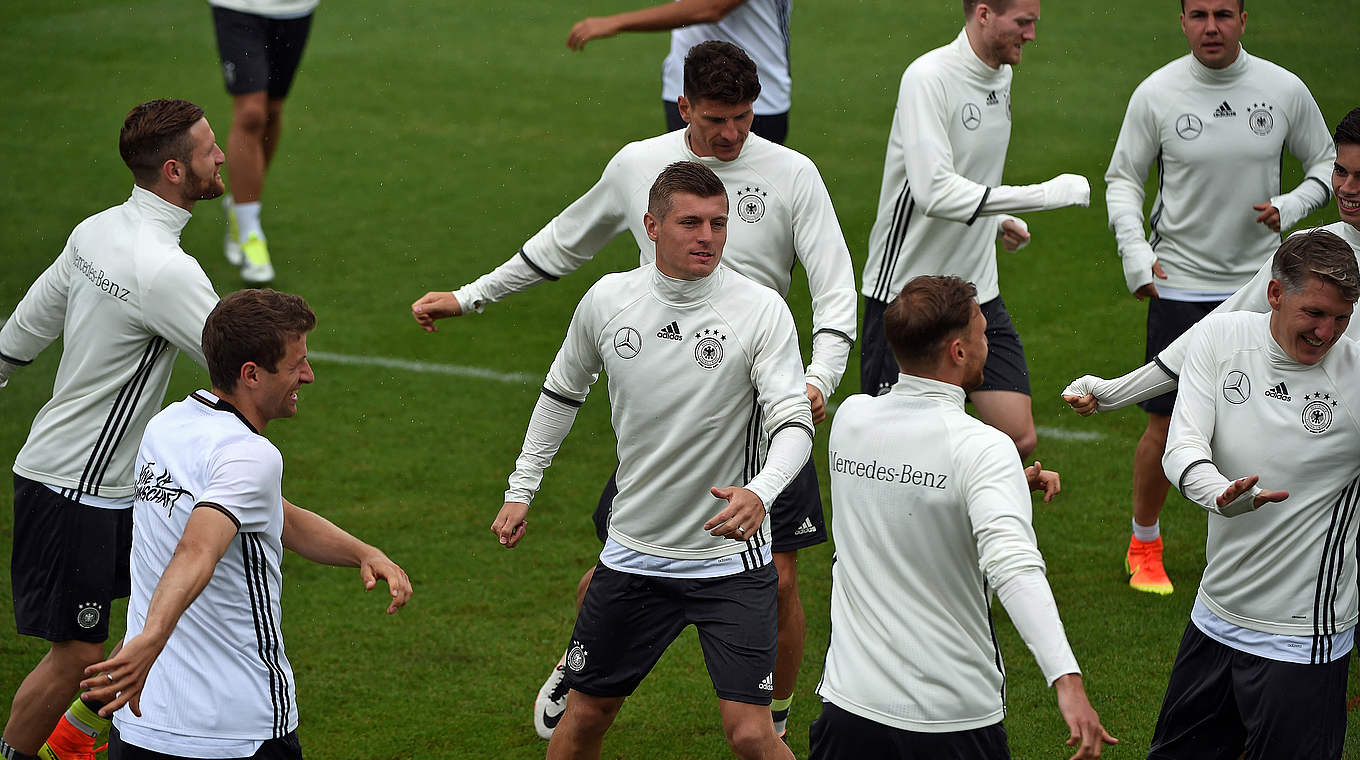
[(781, 213), (697, 371), (223, 674), (759, 27), (931, 514), (1216, 136), (125, 298), (280, 9), (1244, 408), (946, 150)]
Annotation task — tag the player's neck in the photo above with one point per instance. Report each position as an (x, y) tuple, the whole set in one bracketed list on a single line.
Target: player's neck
[(241, 405)]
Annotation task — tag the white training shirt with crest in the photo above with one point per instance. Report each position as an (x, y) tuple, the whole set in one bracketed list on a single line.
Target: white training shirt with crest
[(223, 681), (1244, 407), (699, 373), (125, 298), (1216, 137), (780, 213)]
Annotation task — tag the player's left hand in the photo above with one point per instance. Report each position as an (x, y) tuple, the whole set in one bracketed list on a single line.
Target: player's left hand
[(437, 304), (1043, 480), (1083, 724), (118, 680), (510, 524), (818, 402), (378, 566), (1270, 216), (1078, 395), (741, 518), (1014, 234), (588, 29)]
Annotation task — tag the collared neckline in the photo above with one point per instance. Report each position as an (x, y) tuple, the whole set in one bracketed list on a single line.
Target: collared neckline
[(158, 209), (1227, 75), (209, 399), (684, 292), (924, 387), (971, 62)]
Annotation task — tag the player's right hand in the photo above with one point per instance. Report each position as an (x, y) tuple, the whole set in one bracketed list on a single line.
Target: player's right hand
[(1083, 724), (435, 305), (1066, 190), (510, 525), (1150, 290), (1078, 394)]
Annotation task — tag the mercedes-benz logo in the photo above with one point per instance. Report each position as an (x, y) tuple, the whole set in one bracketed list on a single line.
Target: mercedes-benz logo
[(1188, 126), (627, 343), (972, 116), (1236, 388)]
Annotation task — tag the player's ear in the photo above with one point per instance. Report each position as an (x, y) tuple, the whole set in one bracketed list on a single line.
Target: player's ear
[(1275, 293), (249, 375), (683, 104), (172, 171), (652, 226)]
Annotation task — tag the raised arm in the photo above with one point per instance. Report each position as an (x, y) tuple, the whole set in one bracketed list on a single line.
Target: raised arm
[(657, 18), (38, 318)]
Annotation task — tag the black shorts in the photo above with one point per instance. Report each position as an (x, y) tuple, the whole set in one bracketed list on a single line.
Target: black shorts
[(773, 127), (1167, 321), (842, 735), (1221, 701), (1006, 368), (796, 520), (68, 565), (285, 747), (259, 53), (627, 621)]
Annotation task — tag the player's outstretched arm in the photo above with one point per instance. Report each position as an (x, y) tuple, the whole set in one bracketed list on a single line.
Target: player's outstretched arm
[(437, 304), (511, 524), (119, 680), (668, 15), (1085, 731), (312, 536), (1089, 394)]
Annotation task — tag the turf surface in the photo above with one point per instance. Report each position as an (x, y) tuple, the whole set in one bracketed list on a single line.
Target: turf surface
[(424, 142)]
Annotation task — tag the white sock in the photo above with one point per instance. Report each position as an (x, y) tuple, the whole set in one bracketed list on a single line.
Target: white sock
[(248, 220), (1147, 532)]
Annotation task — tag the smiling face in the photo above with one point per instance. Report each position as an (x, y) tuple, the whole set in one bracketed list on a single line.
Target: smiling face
[(715, 128), (202, 178), (975, 347), (277, 394), (1346, 183), (690, 236), (1308, 322), (1214, 30)]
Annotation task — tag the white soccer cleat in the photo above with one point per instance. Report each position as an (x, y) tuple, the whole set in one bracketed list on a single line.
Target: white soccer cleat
[(551, 701), (257, 268)]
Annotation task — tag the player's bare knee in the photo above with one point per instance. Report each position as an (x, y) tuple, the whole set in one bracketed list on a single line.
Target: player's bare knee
[(593, 716), (749, 736), (250, 119), (786, 563)]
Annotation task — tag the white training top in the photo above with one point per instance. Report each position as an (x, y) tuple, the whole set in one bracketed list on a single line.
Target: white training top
[(759, 27), (280, 9), (780, 212), (942, 172), (698, 370), (931, 514), (223, 674), (125, 298), (1216, 136), (1246, 408)]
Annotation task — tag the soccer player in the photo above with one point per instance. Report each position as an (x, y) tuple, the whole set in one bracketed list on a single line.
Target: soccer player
[(675, 553), (1215, 122), (1089, 394), (260, 43), (931, 515), (1263, 436), (782, 214), (126, 299), (942, 200), (209, 532), (759, 27)]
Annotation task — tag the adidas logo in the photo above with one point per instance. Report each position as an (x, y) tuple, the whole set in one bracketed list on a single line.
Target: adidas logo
[(767, 684), (991, 98), (806, 528), (670, 332), (1224, 111), (1279, 392)]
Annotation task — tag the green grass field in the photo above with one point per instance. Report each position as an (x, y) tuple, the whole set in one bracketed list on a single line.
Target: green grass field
[(424, 143)]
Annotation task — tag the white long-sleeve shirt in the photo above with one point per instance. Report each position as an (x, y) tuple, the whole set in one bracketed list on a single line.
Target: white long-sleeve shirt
[(699, 372), (125, 298), (1216, 136), (281, 9), (942, 173), (931, 514), (1246, 408), (780, 210), (759, 27)]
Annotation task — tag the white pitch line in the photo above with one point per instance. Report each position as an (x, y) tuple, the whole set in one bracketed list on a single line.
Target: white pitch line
[(1068, 435), (518, 378)]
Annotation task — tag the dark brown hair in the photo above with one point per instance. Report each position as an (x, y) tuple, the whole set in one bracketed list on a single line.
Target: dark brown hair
[(682, 177), (929, 311), (254, 325), (721, 72), (155, 132), (1321, 254)]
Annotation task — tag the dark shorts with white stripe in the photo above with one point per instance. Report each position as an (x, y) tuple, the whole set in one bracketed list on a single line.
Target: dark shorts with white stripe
[(796, 520), (259, 53), (1221, 701), (1167, 321), (841, 735), (68, 565), (627, 621), (1006, 369), (285, 747)]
